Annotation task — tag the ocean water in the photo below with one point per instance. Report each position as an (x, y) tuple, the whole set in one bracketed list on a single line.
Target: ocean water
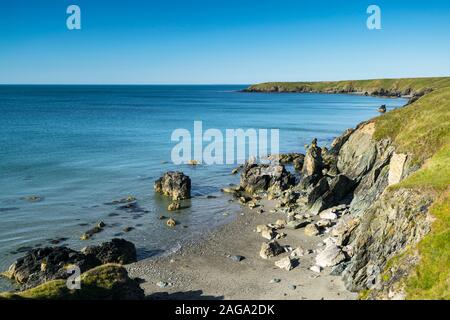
[(81, 147)]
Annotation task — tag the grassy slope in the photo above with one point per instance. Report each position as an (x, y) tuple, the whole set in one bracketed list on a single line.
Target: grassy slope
[(421, 129)]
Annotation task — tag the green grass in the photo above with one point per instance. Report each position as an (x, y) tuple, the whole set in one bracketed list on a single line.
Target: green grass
[(421, 128)]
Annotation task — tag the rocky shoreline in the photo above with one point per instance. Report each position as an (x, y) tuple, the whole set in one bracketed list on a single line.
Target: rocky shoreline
[(334, 232), (335, 203)]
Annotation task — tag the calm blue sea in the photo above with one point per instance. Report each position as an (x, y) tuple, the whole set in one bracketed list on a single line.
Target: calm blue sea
[(79, 147)]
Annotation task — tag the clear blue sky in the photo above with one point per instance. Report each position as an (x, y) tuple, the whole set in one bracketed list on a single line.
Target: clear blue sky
[(218, 41)]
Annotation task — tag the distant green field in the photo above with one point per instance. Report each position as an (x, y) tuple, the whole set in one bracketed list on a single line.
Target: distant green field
[(404, 86), (421, 129)]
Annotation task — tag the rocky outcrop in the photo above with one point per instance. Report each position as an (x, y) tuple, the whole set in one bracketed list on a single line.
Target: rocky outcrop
[(396, 220), (117, 250), (174, 184), (313, 163), (106, 282), (45, 264), (264, 177)]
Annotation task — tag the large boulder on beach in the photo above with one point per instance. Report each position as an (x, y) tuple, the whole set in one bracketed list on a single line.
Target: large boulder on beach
[(117, 250), (174, 184), (263, 177), (44, 264)]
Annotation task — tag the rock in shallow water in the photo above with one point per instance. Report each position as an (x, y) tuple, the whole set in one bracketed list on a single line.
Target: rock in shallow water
[(174, 184), (115, 251)]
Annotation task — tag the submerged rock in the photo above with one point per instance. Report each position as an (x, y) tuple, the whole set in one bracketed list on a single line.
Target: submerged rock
[(174, 184)]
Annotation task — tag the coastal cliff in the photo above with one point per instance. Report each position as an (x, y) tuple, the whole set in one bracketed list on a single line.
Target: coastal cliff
[(396, 237)]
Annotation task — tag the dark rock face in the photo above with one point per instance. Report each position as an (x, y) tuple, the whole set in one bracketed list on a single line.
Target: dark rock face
[(396, 220), (338, 188), (44, 264), (115, 251), (174, 184), (263, 177)]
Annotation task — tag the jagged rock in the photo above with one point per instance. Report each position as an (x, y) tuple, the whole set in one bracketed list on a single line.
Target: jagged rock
[(44, 264), (115, 251), (342, 232), (316, 269), (295, 224), (285, 158), (316, 191), (328, 214), (175, 185), (382, 108), (285, 263), (106, 282), (339, 141), (174, 206), (323, 223), (281, 223), (270, 249), (298, 252), (262, 177), (339, 187), (268, 234), (171, 222), (298, 163), (357, 156), (313, 160), (330, 256), (396, 168), (311, 230), (262, 227), (394, 221)]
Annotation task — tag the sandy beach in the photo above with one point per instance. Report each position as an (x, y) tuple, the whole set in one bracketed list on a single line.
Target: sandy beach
[(204, 269)]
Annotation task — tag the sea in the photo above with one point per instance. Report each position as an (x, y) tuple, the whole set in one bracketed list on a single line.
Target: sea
[(69, 153)]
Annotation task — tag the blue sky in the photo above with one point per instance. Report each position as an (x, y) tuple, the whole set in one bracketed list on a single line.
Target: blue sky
[(212, 41)]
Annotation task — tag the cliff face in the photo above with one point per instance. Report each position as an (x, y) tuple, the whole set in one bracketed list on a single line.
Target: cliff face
[(388, 221), (392, 173)]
